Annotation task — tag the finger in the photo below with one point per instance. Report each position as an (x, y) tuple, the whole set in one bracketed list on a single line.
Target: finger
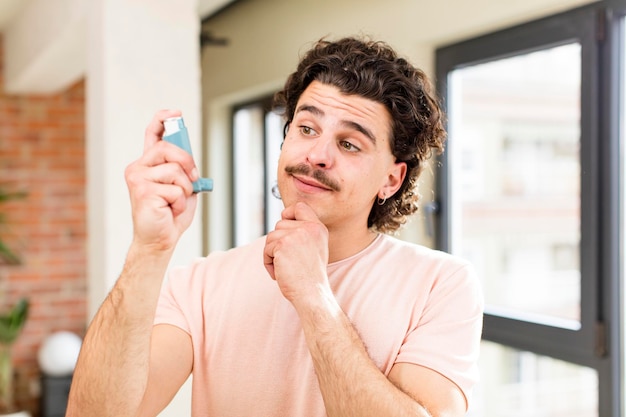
[(285, 224), (177, 199), (165, 152), (300, 211), (288, 213), (155, 129), (174, 196), (170, 173), (140, 177)]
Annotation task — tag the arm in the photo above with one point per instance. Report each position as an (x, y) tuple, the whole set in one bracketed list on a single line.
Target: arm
[(120, 357), (116, 365), (296, 256), (350, 382)]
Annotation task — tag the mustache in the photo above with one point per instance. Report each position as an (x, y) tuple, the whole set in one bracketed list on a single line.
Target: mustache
[(316, 174)]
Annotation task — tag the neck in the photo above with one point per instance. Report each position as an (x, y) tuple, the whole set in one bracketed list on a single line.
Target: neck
[(344, 243)]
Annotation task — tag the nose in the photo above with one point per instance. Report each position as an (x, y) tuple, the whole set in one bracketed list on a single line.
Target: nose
[(321, 152)]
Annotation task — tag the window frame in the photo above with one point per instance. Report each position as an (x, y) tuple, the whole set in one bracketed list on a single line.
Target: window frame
[(598, 343), (613, 93)]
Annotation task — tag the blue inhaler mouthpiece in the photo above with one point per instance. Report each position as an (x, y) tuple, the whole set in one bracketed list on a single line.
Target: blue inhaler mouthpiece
[(176, 133)]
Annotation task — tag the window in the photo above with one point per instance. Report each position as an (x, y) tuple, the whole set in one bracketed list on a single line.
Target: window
[(515, 178), (528, 191), (521, 383), (257, 136)]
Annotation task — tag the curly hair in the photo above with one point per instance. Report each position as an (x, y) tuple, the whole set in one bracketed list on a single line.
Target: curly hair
[(373, 70)]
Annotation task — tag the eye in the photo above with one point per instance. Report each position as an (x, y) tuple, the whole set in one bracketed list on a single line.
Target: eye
[(307, 131), (348, 146)]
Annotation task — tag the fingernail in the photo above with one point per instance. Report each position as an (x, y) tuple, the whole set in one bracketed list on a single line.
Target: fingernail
[(194, 174)]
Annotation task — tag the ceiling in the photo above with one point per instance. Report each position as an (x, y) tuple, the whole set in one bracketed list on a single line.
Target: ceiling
[(9, 9)]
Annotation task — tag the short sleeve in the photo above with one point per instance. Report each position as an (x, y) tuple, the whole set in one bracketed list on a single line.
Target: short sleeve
[(169, 307), (446, 336)]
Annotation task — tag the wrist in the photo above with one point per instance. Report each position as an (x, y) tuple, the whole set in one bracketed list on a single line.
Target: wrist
[(318, 306), (138, 286), (146, 263), (157, 252)]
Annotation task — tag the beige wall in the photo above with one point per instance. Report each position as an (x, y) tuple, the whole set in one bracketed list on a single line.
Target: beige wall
[(265, 38)]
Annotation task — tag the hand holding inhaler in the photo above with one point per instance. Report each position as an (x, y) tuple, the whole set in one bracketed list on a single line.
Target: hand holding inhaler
[(176, 133)]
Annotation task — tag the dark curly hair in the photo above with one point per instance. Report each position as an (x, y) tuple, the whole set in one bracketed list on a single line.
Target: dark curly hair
[(373, 70)]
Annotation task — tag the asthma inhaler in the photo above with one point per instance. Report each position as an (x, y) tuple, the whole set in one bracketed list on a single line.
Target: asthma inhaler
[(176, 133)]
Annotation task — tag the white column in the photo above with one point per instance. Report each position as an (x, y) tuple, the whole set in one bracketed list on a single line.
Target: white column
[(142, 55)]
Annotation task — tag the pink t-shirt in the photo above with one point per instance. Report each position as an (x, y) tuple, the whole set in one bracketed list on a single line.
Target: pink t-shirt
[(408, 304)]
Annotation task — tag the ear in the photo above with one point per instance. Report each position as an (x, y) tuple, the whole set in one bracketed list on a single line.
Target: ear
[(395, 178)]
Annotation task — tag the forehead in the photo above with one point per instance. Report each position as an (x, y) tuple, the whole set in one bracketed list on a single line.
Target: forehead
[(331, 103)]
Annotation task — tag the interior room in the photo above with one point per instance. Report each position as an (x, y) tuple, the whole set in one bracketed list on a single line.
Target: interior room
[(529, 189)]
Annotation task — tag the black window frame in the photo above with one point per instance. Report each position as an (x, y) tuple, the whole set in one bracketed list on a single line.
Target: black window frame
[(613, 92), (598, 343)]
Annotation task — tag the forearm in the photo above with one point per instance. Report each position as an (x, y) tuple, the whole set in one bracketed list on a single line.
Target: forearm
[(112, 370), (350, 382)]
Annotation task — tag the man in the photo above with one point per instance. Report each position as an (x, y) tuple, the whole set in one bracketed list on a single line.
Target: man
[(325, 315)]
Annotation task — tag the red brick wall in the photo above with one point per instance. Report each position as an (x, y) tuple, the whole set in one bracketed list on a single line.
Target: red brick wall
[(42, 152)]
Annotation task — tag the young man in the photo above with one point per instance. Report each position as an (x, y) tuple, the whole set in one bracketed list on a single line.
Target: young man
[(325, 315)]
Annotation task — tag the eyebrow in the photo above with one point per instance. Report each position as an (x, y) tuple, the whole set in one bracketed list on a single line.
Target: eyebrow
[(316, 111)]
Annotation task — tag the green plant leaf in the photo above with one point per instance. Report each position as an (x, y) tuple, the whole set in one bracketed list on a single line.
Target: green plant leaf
[(11, 323), (8, 196), (7, 256)]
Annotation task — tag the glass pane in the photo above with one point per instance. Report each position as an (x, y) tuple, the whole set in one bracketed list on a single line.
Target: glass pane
[(518, 384), (273, 141), (515, 176), (248, 174)]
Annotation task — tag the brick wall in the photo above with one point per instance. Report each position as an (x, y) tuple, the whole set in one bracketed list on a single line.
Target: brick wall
[(42, 152)]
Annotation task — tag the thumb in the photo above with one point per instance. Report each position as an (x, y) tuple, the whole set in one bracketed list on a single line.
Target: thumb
[(301, 211)]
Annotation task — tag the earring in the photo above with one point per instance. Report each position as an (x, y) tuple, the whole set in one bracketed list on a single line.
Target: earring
[(381, 202), (275, 191)]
